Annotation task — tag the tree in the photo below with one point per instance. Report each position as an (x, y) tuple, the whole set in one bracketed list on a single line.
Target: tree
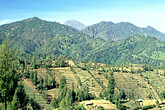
[(63, 88), (34, 65), (35, 105), (61, 62), (118, 101), (20, 99), (8, 73), (35, 78), (31, 76), (67, 101), (62, 81), (119, 105), (54, 103), (122, 94), (149, 96), (69, 98), (110, 87), (80, 107), (162, 95)]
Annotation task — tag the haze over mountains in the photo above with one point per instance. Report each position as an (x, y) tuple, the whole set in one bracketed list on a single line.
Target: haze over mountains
[(97, 43), (75, 24)]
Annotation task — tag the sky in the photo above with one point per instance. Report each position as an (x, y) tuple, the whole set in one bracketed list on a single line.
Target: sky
[(139, 12)]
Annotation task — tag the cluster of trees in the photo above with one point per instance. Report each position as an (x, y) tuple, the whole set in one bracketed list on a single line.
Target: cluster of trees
[(12, 92), (47, 61), (147, 68), (112, 95), (48, 82), (162, 94), (67, 97), (41, 62), (61, 62)]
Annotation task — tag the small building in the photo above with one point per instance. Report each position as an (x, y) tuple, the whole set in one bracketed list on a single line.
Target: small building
[(139, 100), (88, 103), (98, 106)]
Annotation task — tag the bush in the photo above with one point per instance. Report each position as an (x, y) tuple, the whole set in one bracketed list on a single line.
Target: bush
[(35, 105), (148, 107), (80, 107)]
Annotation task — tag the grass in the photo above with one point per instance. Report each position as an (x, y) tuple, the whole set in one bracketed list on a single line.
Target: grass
[(88, 80), (157, 81), (133, 83)]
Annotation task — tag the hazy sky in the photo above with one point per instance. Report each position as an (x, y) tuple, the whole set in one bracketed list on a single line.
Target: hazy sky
[(139, 12)]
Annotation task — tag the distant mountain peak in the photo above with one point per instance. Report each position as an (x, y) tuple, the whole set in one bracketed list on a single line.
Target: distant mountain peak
[(32, 19), (151, 28), (75, 24)]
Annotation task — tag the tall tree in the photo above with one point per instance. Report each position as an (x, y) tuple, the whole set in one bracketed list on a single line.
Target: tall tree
[(110, 87), (20, 99), (8, 73)]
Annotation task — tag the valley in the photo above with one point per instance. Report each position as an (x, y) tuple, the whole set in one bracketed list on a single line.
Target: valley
[(47, 65), (132, 79)]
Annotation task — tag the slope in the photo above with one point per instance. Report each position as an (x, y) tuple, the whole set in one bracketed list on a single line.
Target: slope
[(110, 30), (135, 49), (30, 34), (36, 37)]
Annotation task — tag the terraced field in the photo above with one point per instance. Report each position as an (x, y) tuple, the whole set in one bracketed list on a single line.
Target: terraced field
[(157, 81), (33, 93), (139, 84), (134, 83)]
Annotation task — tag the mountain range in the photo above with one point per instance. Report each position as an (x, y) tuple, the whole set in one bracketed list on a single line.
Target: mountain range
[(103, 42), (117, 31)]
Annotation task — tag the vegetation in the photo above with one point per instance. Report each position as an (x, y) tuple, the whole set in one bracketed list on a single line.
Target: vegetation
[(117, 31), (67, 68), (54, 39), (8, 73)]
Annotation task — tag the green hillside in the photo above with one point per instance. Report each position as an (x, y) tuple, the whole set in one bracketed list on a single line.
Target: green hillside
[(117, 31), (30, 34), (135, 49), (36, 37)]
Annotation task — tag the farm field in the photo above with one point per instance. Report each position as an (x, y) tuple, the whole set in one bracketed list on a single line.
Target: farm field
[(94, 76)]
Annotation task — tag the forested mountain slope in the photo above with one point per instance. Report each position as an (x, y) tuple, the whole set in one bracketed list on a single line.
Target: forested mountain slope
[(116, 31), (36, 37), (29, 34), (135, 49)]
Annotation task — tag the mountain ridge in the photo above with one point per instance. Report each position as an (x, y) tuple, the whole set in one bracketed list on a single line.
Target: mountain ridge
[(116, 31), (36, 37)]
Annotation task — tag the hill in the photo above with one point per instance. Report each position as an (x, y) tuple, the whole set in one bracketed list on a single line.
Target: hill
[(30, 34), (75, 24), (36, 37), (135, 49), (117, 31)]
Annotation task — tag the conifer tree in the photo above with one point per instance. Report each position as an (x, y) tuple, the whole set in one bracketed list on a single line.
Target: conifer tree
[(110, 87), (8, 73), (20, 99)]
